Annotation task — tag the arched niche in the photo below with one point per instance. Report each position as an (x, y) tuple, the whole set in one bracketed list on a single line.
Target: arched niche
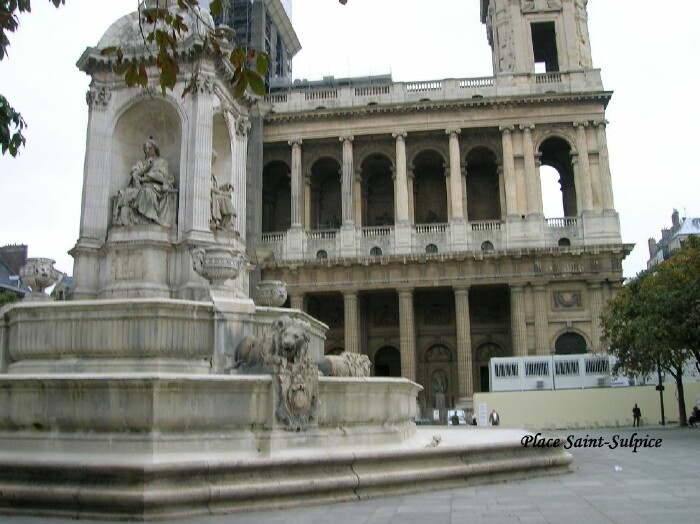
[(221, 143), (156, 117)]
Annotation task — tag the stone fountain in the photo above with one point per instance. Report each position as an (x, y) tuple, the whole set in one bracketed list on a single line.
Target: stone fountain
[(162, 390)]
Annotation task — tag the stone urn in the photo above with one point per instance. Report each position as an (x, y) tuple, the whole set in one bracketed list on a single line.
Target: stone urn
[(38, 274), (217, 264), (271, 293)]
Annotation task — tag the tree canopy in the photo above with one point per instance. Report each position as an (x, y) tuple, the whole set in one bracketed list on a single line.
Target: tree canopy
[(162, 29), (654, 320)]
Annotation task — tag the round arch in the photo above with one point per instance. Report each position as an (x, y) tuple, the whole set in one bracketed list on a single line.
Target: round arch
[(570, 342), (387, 362)]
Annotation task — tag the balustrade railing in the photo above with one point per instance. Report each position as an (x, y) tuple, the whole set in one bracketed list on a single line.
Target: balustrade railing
[(431, 228), (466, 83), (434, 85), (321, 234), (486, 225), (548, 78), (323, 94), (273, 237), (561, 223), (372, 90), (376, 231)]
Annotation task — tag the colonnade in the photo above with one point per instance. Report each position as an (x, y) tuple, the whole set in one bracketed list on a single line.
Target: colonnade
[(519, 317), (518, 171)]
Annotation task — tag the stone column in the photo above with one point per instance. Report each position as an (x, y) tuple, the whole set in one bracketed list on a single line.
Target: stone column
[(410, 178), (596, 292), (448, 192), (358, 197), (465, 373), (348, 182), (455, 175), (606, 189), (582, 170), (541, 320), (195, 189), (297, 183), (532, 177), (296, 301), (352, 326), (407, 338), (511, 188), (307, 201), (517, 321), (400, 182)]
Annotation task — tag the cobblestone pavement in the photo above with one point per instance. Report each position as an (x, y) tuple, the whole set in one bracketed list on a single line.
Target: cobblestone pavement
[(611, 483)]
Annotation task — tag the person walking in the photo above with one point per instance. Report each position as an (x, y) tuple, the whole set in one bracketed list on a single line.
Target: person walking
[(494, 419), (636, 416)]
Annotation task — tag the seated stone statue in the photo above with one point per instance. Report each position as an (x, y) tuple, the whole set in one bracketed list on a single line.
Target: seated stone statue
[(222, 210), (145, 199)]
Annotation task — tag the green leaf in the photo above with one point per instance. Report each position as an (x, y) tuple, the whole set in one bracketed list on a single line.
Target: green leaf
[(262, 63), (257, 84)]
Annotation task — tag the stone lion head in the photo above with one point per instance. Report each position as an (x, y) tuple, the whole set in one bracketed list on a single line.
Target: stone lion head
[(291, 338)]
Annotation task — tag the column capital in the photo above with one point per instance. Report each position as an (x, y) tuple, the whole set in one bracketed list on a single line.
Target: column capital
[(506, 128), (405, 291), (346, 138), (600, 123), (527, 127), (461, 290), (453, 131), (581, 125), (350, 294), (295, 142), (399, 134)]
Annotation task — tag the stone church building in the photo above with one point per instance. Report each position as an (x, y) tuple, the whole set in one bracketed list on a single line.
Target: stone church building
[(409, 216)]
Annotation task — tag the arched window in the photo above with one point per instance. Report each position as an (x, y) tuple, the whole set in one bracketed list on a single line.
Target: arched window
[(377, 191), (321, 254), (325, 202), (375, 251), (564, 242), (483, 189), (387, 362), (429, 189), (555, 152), (277, 197), (487, 246), (570, 344), (431, 248)]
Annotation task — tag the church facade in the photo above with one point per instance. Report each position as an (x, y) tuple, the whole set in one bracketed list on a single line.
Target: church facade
[(409, 216)]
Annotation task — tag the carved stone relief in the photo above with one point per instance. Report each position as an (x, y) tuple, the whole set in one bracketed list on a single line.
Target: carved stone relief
[(436, 315), (567, 300)]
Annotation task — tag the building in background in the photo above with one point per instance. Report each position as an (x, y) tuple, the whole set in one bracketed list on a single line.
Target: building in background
[(672, 238), (12, 258), (409, 216)]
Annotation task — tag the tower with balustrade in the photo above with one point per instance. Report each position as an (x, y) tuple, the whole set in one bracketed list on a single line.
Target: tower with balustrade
[(409, 216)]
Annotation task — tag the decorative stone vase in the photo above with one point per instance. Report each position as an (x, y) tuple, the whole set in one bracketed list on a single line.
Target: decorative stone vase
[(271, 293), (38, 274), (217, 264)]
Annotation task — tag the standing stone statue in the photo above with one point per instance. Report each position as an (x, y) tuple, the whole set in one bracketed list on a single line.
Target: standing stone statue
[(222, 210), (145, 199)]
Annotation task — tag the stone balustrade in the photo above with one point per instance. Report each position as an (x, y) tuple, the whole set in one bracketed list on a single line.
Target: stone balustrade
[(501, 235), (311, 96)]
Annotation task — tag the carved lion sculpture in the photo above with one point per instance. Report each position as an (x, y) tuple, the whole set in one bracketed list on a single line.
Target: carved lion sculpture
[(285, 340), (345, 365)]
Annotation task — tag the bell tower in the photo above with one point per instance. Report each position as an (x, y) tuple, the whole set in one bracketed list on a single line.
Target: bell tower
[(537, 36)]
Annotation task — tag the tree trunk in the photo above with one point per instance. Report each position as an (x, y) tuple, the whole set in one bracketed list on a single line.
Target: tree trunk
[(682, 416)]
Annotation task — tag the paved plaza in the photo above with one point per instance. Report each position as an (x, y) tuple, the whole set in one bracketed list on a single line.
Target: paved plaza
[(657, 484)]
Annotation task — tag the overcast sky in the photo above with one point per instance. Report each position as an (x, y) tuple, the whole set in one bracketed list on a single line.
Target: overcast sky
[(648, 57)]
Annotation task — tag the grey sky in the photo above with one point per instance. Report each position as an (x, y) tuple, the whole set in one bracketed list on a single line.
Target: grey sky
[(648, 57)]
